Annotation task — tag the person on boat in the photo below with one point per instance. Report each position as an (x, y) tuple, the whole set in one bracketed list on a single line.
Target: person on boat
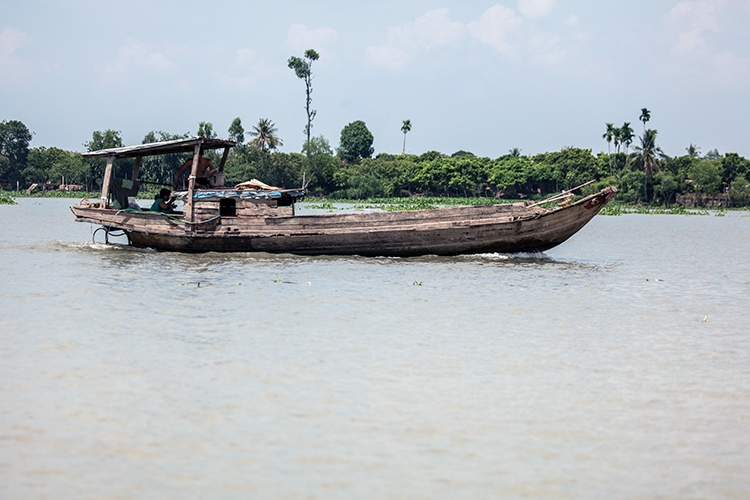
[(163, 202), (203, 174)]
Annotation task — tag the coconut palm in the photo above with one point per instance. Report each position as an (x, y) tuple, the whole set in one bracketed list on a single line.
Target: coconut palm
[(645, 116), (515, 152), (648, 156), (264, 137), (693, 151), (406, 127)]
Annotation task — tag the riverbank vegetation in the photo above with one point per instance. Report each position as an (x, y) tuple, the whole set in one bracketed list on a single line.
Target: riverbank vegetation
[(6, 198), (643, 174)]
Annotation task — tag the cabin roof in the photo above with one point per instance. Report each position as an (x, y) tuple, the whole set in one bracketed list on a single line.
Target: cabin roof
[(163, 148)]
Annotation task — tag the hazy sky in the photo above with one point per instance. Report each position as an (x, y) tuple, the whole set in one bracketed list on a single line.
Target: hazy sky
[(474, 75)]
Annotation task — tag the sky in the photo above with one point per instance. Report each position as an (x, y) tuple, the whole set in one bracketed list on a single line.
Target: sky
[(478, 76)]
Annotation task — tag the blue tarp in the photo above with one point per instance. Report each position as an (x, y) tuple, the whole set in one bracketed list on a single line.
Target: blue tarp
[(205, 194)]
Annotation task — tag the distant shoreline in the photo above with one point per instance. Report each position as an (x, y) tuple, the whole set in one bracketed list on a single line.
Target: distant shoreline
[(419, 203)]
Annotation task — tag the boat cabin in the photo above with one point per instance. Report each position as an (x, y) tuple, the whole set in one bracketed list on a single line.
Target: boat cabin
[(200, 202)]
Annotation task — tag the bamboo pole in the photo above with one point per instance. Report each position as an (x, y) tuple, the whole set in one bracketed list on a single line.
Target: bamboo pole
[(190, 208), (224, 159), (562, 195)]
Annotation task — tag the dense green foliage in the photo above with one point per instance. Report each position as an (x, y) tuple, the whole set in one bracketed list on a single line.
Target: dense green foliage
[(14, 149), (644, 175), (356, 142)]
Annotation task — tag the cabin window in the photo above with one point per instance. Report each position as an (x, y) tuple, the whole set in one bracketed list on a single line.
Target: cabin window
[(228, 208)]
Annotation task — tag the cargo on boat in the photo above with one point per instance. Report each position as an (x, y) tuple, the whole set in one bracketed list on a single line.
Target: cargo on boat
[(253, 217)]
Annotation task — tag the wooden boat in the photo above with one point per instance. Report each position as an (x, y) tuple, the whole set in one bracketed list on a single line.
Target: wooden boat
[(225, 219)]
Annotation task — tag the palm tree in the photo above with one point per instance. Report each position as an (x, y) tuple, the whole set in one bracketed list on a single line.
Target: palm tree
[(617, 139), (515, 152), (693, 151), (264, 137), (645, 116), (406, 127), (626, 135), (648, 155), (607, 136)]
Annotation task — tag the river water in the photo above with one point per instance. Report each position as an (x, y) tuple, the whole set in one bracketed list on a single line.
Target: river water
[(614, 366)]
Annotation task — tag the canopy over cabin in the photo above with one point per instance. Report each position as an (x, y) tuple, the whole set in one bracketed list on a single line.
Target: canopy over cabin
[(193, 196)]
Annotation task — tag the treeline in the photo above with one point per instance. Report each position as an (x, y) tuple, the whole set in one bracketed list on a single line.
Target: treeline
[(640, 178)]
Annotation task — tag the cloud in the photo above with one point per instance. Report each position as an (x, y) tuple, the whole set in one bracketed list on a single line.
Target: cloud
[(300, 38), (11, 40), (499, 27), (139, 59), (693, 20), (432, 29), (495, 26), (15, 68), (701, 38), (535, 8)]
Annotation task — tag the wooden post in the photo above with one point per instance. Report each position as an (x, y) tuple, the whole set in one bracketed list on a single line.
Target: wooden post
[(137, 167), (107, 180), (189, 207), (224, 160)]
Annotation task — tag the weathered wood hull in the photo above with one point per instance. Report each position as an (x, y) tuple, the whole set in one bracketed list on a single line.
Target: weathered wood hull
[(448, 231)]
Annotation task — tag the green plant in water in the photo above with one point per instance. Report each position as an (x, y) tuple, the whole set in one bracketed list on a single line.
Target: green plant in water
[(322, 206), (6, 199), (618, 209), (613, 209)]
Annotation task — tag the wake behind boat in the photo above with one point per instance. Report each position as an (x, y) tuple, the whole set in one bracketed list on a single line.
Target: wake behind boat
[(257, 218)]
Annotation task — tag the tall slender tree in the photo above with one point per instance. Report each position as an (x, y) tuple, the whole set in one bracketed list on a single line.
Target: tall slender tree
[(237, 131), (645, 117), (607, 136), (693, 151), (626, 135), (648, 156), (302, 67), (405, 127), (617, 139)]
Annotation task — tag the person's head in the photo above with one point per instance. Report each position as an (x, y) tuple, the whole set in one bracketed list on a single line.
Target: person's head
[(165, 193)]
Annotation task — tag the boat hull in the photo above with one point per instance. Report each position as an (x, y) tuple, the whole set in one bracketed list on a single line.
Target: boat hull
[(507, 228)]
